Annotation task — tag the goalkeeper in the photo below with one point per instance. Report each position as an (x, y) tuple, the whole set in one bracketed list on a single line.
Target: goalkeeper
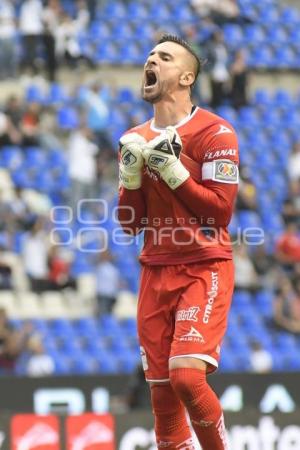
[(178, 183)]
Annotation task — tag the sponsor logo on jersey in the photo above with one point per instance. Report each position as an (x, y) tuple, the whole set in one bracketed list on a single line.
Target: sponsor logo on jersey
[(223, 130), (188, 314), (214, 154), (211, 295), (192, 336)]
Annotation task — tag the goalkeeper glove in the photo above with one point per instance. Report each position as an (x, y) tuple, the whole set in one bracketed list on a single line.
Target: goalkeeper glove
[(131, 160), (162, 154)]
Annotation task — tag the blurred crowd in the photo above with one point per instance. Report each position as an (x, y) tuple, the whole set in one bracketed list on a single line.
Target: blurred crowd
[(33, 31), (39, 36), (279, 270), (76, 130)]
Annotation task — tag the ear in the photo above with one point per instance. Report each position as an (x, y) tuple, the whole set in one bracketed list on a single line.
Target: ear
[(187, 79)]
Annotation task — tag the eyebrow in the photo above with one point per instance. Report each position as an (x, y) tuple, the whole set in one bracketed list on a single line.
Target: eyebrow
[(160, 53)]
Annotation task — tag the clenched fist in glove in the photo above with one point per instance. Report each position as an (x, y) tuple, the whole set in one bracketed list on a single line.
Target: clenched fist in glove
[(131, 160), (162, 154)]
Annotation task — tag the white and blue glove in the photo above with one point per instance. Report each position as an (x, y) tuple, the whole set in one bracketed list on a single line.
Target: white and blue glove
[(131, 160), (162, 154)]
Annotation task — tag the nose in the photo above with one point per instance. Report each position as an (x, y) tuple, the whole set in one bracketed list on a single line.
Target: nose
[(152, 59)]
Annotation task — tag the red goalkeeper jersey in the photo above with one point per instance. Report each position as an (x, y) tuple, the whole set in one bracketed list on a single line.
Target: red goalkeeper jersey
[(188, 224)]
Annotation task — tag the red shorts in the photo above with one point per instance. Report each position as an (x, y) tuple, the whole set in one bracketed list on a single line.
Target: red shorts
[(182, 311)]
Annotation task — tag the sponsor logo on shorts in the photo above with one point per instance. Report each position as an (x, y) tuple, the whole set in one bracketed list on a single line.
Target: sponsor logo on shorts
[(165, 444), (192, 336), (188, 314), (211, 294), (144, 358)]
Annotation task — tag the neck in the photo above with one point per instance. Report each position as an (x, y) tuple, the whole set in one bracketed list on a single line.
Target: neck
[(171, 111)]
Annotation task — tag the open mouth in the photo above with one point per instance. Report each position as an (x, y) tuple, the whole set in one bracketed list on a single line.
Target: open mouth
[(150, 78)]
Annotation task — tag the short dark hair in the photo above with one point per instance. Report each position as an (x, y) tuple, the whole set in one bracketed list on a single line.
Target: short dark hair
[(178, 40)]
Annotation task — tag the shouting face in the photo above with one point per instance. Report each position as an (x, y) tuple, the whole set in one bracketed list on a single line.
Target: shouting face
[(169, 68)]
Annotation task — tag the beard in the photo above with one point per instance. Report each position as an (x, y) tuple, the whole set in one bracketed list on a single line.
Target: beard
[(154, 95)]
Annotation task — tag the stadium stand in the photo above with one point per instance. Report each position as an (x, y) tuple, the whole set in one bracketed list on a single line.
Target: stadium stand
[(78, 341)]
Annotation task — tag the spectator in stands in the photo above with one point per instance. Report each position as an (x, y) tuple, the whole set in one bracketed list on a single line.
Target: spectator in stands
[(95, 101), (11, 344), (291, 206), (294, 162), (59, 262), (220, 12), (288, 246), (260, 360), (218, 67), (246, 199), (67, 36), (287, 307), (49, 136), (14, 110), (107, 282), (32, 29), (30, 125), (39, 363), (8, 48), (82, 154), (35, 251), (245, 273), (9, 134), (50, 19), (92, 8), (226, 11), (239, 80), (264, 265), (12, 275)]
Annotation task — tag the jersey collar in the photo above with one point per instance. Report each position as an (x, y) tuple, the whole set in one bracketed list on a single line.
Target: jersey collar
[(179, 124)]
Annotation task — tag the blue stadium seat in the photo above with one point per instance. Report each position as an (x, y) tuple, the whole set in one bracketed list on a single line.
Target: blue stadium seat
[(62, 364), (11, 157), (138, 11), (253, 35), (242, 297), (248, 219), (83, 364), (290, 17), (269, 14), (34, 94), (67, 118), (115, 10), (262, 57), (285, 57), (100, 31), (127, 362), (36, 157), (56, 95), (262, 97), (160, 12)]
